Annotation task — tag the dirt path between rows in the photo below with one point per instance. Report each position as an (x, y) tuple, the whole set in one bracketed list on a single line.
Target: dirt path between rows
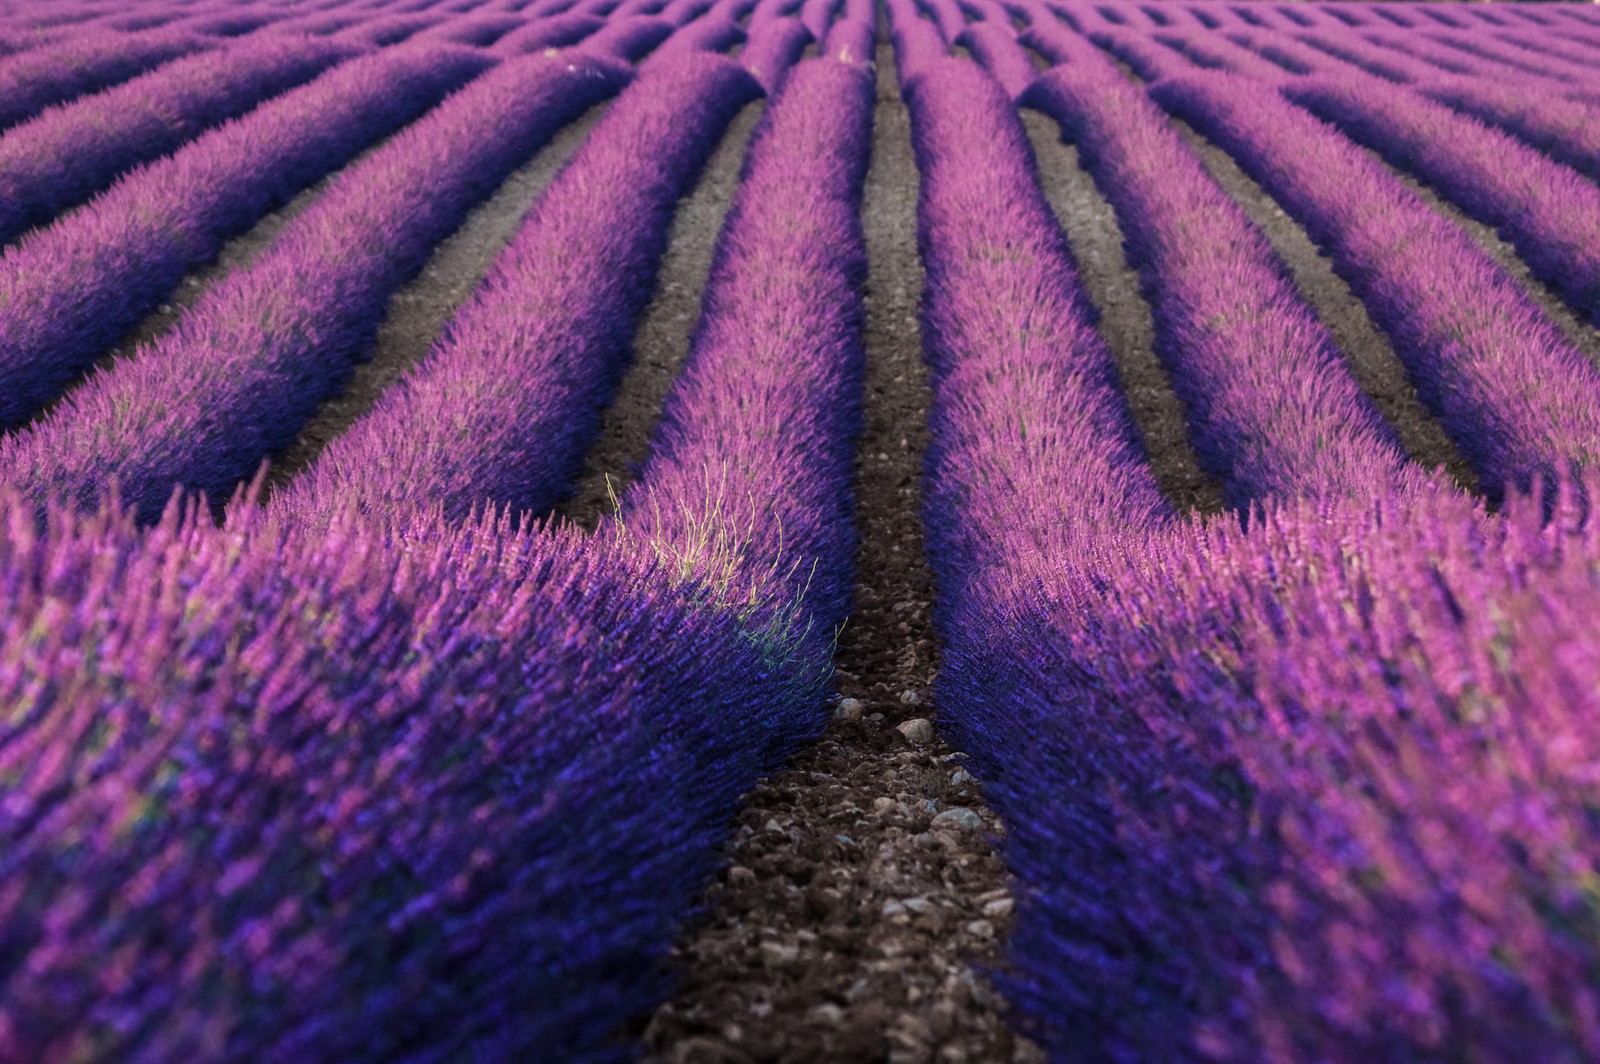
[(1112, 285), (417, 312), (661, 342), (862, 889)]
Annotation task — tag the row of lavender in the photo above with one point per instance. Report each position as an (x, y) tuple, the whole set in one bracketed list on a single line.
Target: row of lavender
[(66, 145), (1506, 383), (698, 518), (1314, 789), (71, 290), (1542, 206), (480, 22), (46, 67), (1467, 334), (376, 774)]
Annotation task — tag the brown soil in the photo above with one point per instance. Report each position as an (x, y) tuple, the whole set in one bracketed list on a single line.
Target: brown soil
[(1366, 349), (662, 340), (1125, 323), (417, 313), (850, 926)]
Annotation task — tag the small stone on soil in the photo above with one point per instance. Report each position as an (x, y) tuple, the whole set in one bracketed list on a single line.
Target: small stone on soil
[(918, 730), (778, 955), (830, 1014), (960, 818)]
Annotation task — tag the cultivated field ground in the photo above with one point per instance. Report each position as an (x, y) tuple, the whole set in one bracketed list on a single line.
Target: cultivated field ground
[(924, 531)]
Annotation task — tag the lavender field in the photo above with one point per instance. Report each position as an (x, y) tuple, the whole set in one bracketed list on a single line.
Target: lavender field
[(923, 531)]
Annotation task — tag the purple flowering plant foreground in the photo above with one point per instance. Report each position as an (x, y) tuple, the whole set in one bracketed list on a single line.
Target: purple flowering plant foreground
[(382, 760)]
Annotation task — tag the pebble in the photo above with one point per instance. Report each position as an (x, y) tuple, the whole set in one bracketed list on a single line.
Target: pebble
[(959, 817), (829, 1013), (980, 929), (909, 1028), (849, 709), (962, 778), (738, 875), (882, 804), (918, 730), (910, 698), (779, 955), (998, 907)]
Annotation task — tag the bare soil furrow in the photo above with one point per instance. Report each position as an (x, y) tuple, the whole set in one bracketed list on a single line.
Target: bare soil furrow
[(1125, 322), (418, 312), (863, 893), (662, 340)]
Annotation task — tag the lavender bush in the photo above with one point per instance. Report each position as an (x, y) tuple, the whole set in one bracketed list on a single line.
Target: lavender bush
[(80, 63), (371, 790), (1315, 790), (204, 405), (558, 306), (70, 152), (70, 291)]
